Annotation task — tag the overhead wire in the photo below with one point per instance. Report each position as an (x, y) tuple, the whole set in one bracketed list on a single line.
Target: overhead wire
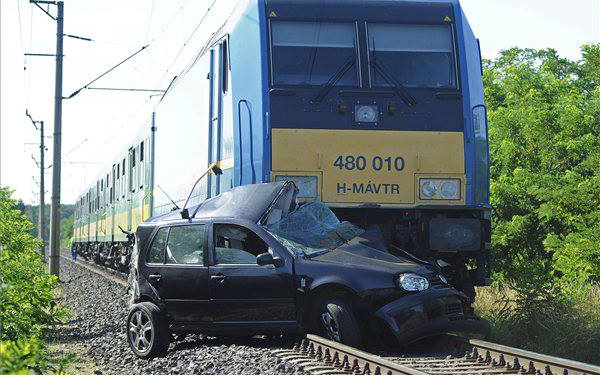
[(20, 26), (152, 43), (149, 21), (188, 40)]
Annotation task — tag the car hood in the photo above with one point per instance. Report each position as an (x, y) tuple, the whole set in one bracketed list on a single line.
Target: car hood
[(357, 254)]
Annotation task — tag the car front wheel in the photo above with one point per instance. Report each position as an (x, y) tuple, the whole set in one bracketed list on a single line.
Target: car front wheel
[(147, 330), (338, 322)]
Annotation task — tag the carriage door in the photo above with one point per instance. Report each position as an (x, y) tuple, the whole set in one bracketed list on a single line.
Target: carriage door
[(130, 187)]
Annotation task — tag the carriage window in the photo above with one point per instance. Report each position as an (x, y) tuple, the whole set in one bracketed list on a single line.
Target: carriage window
[(224, 66), (311, 53), (413, 55), (237, 245)]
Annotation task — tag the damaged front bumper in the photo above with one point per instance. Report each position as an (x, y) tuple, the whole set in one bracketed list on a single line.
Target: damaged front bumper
[(430, 313)]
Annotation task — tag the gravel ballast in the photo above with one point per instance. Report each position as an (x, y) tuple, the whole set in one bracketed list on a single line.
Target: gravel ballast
[(100, 307)]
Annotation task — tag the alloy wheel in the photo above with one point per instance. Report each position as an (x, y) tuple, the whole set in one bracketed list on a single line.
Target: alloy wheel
[(141, 331), (331, 328)]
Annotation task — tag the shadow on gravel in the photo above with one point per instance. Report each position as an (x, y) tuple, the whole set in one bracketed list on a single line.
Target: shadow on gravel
[(194, 341), (74, 334)]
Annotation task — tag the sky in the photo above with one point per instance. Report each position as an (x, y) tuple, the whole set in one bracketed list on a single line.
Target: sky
[(98, 124)]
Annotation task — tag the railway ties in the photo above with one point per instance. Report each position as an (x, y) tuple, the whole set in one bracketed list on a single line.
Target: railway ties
[(471, 357)]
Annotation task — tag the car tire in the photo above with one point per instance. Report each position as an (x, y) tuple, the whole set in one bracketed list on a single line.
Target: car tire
[(338, 322), (147, 330)]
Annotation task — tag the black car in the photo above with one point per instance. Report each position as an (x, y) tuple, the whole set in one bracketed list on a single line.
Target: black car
[(252, 261)]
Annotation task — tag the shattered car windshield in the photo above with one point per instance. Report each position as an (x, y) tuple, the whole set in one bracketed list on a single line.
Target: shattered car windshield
[(313, 229)]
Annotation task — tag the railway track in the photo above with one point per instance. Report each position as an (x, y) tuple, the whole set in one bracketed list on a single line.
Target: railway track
[(468, 356), (109, 273)]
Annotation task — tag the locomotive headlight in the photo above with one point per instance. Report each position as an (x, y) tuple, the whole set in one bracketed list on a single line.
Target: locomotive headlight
[(366, 113), (450, 189), (412, 282), (308, 186), (428, 188), (439, 188)]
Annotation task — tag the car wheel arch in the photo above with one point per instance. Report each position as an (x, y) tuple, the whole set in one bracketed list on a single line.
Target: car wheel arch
[(329, 290)]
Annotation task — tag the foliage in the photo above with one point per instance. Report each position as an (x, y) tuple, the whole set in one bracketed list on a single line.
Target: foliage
[(564, 327), (24, 357), (66, 231), (27, 292), (544, 115), (66, 220), (544, 131)]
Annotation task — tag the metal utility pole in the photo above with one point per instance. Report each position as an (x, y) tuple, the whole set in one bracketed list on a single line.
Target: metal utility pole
[(42, 213), (42, 207), (54, 258)]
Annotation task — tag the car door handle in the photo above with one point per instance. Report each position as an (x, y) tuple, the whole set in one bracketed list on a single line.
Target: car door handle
[(155, 278), (219, 279)]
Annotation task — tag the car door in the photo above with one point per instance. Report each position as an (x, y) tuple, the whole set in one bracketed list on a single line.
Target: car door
[(176, 267), (241, 291)]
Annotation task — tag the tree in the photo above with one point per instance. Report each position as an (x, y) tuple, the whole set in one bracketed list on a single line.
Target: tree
[(544, 114)]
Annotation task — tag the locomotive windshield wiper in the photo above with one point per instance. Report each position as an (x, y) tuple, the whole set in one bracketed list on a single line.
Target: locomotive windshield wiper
[(399, 89), (337, 75)]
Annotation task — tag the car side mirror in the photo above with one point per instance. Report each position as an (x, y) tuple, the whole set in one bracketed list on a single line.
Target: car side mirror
[(265, 259)]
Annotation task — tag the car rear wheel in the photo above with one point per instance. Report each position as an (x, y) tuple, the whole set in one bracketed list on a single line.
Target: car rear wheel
[(338, 322), (147, 330)]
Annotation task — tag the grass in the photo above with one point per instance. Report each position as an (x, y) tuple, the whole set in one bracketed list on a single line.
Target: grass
[(567, 327)]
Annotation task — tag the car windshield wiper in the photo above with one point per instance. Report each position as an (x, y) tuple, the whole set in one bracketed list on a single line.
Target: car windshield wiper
[(337, 75), (317, 253), (399, 89)]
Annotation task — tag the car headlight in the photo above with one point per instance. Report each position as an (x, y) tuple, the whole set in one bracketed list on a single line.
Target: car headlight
[(308, 186), (439, 188), (366, 113), (412, 282)]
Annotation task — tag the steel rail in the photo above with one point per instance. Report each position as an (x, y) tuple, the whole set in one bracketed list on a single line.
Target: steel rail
[(322, 356), (338, 358), (524, 361)]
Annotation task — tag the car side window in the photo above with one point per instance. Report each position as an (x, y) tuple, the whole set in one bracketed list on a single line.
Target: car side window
[(237, 245), (156, 254), (186, 245)]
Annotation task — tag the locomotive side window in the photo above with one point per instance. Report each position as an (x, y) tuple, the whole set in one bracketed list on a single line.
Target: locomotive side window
[(310, 53), (413, 55)]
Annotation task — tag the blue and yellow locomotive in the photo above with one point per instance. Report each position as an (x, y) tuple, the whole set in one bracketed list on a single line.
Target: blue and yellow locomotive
[(374, 107)]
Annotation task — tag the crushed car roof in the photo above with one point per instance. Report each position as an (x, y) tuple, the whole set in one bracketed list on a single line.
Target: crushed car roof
[(248, 202)]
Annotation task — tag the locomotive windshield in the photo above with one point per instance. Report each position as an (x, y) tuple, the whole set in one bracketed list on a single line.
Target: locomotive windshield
[(315, 53), (415, 55), (310, 53)]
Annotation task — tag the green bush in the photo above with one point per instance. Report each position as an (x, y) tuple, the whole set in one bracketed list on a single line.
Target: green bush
[(545, 322), (24, 357), (544, 114), (544, 130), (27, 292)]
